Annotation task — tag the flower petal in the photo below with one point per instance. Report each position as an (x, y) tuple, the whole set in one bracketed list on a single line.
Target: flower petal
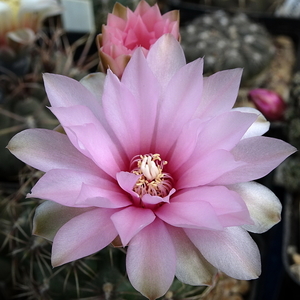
[(49, 217), (94, 82), (151, 260), (46, 149), (191, 267), (120, 108), (127, 105), (219, 94), (263, 205), (129, 221), (145, 94), (259, 127), (89, 136), (223, 132), (260, 156), (228, 206), (149, 199), (63, 91), (186, 143), (127, 181), (178, 104), (63, 186), (165, 58), (206, 169), (83, 235), (107, 195), (232, 251), (194, 214)]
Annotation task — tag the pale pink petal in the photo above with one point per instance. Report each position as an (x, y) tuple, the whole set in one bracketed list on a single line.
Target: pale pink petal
[(106, 194), (121, 113), (232, 251), (165, 58), (50, 216), (89, 136), (129, 221), (186, 143), (94, 82), (191, 267), (151, 260), (145, 95), (127, 182), (190, 214), (219, 94), (178, 104), (63, 91), (206, 169), (103, 152), (46, 149), (64, 186), (259, 127), (149, 199), (83, 235), (223, 132), (260, 156), (263, 205), (228, 206)]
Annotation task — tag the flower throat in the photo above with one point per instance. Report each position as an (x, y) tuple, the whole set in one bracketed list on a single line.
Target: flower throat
[(153, 180)]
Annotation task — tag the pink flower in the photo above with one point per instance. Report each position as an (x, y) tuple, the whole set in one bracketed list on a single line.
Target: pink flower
[(126, 30), (269, 103), (162, 161)]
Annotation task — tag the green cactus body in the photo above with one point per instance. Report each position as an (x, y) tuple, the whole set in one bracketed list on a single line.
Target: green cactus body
[(228, 42)]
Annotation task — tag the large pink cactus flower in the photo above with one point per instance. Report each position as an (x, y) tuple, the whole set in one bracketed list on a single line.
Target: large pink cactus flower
[(160, 161), (126, 30)]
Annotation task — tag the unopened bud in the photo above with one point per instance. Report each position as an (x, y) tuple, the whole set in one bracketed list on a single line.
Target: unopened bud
[(269, 103)]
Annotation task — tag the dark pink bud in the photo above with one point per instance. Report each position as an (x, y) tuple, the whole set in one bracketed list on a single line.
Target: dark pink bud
[(269, 103)]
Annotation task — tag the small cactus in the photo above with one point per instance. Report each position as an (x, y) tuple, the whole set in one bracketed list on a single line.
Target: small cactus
[(23, 101), (228, 42), (288, 173)]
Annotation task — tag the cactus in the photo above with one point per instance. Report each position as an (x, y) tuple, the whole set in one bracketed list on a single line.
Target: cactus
[(228, 42), (261, 6), (23, 101), (288, 174)]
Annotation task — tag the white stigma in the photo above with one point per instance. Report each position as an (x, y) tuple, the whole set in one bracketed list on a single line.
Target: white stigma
[(149, 168)]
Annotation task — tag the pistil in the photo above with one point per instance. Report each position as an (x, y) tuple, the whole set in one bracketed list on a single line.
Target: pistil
[(153, 180)]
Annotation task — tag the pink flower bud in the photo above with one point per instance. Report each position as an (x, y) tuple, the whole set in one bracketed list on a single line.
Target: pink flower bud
[(269, 103), (126, 30)]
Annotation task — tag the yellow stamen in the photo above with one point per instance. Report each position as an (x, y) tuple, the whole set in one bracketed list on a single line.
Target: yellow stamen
[(153, 180)]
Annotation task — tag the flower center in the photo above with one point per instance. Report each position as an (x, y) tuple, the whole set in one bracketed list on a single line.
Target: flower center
[(153, 180)]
